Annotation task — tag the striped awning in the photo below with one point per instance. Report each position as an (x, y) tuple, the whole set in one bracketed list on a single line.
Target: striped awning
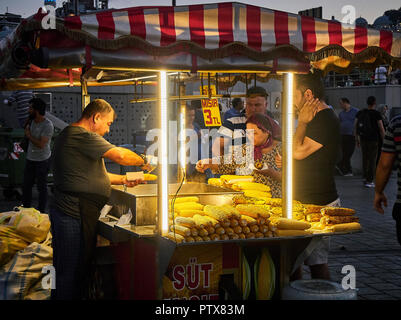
[(216, 31)]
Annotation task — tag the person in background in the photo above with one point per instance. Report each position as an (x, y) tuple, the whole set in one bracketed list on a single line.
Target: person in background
[(22, 98), (369, 131), (82, 186), (391, 152), (384, 111), (37, 163), (197, 106), (380, 75), (232, 131), (236, 110), (260, 156), (347, 120)]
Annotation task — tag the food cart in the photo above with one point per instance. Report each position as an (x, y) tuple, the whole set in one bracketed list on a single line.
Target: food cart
[(125, 46)]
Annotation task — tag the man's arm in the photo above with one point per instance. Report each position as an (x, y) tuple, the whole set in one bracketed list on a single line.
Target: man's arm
[(357, 138), (124, 157), (39, 143), (118, 179), (381, 128), (383, 173), (303, 146)]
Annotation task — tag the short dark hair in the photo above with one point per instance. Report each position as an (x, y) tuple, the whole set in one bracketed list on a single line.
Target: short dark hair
[(256, 92), (97, 106), (236, 102), (345, 100), (313, 82), (190, 107), (39, 105), (196, 104), (371, 101)]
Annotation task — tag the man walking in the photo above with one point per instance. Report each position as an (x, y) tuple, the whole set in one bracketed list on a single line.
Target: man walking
[(391, 152), (235, 111), (369, 131), (37, 163), (22, 98), (316, 145), (347, 120)]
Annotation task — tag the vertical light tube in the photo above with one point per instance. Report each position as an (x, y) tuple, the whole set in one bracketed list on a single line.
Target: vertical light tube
[(162, 187), (182, 136), (288, 130)]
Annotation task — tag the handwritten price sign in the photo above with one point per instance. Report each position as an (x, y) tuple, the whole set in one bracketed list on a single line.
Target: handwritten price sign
[(210, 107), (211, 112)]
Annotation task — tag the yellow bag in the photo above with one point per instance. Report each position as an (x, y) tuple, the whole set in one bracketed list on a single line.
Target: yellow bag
[(30, 224), (10, 243)]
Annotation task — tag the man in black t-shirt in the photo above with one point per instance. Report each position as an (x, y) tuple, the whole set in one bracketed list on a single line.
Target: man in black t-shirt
[(316, 147), (369, 132)]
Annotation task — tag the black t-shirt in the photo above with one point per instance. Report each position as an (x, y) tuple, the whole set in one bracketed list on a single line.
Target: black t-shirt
[(314, 176), (374, 116)]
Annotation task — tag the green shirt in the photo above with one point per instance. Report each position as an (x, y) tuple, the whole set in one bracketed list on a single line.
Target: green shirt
[(79, 170)]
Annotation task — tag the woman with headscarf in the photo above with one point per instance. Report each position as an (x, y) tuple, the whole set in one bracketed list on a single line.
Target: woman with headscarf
[(256, 158)]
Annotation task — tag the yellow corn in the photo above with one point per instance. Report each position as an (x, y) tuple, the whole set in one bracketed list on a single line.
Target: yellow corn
[(244, 185), (200, 221), (189, 213), (184, 199), (333, 211), (187, 206), (250, 220), (253, 211), (185, 222), (216, 212), (231, 179), (231, 211), (257, 194), (149, 177), (291, 233), (290, 224), (175, 237), (184, 231), (189, 239), (215, 182)]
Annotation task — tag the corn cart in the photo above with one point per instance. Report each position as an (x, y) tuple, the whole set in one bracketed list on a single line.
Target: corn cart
[(167, 46)]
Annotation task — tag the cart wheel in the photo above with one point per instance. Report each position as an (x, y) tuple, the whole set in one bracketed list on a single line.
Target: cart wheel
[(9, 194)]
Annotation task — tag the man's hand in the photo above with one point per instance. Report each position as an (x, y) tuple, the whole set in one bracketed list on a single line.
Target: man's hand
[(203, 165), (133, 183), (308, 111), (147, 167), (380, 199), (278, 160)]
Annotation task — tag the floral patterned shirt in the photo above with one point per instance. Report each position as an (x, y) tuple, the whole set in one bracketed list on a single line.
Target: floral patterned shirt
[(242, 163)]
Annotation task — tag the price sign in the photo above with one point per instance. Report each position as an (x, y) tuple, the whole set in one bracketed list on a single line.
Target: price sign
[(212, 90), (211, 112)]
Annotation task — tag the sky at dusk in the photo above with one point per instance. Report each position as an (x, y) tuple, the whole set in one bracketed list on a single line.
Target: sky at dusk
[(369, 9)]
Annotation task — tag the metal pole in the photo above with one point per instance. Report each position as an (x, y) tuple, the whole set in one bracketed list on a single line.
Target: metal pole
[(287, 136)]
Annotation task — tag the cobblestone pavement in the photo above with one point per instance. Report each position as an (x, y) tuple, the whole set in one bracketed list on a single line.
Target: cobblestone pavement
[(375, 252)]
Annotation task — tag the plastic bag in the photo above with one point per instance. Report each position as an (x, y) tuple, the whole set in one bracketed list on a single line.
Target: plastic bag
[(10, 243)]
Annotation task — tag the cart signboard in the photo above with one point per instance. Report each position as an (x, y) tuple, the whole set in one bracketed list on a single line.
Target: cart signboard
[(210, 107)]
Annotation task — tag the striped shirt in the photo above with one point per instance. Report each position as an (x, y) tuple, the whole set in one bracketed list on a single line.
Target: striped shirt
[(22, 99), (392, 144)]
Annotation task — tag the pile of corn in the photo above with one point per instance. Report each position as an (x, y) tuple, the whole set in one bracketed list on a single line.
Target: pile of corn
[(336, 220), (227, 181), (223, 223)]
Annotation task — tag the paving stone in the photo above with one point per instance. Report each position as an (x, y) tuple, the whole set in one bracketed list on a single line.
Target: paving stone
[(377, 297), (384, 286), (394, 293)]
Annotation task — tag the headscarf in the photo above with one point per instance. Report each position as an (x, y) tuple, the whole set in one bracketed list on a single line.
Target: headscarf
[(263, 123)]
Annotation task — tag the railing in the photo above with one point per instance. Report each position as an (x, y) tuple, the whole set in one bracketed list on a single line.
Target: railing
[(362, 78)]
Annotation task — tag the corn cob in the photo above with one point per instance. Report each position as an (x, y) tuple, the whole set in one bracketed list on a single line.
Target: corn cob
[(237, 229), (274, 202), (229, 231), (243, 222), (250, 235), (333, 211), (246, 230), (198, 238), (239, 186), (345, 227), (188, 206), (184, 231), (242, 236), (250, 220), (261, 221), (185, 222), (184, 199), (215, 182), (234, 236), (290, 224), (149, 177), (328, 220), (214, 237), (224, 237), (210, 230), (297, 215), (268, 234), (313, 217), (254, 228), (231, 179), (194, 232), (203, 232), (175, 237), (206, 238), (311, 208), (220, 231), (277, 211), (231, 211), (215, 212), (234, 223), (259, 235), (189, 239), (189, 213), (253, 211), (263, 228), (257, 194)]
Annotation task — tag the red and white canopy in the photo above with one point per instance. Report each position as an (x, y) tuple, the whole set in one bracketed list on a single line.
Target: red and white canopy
[(217, 31)]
